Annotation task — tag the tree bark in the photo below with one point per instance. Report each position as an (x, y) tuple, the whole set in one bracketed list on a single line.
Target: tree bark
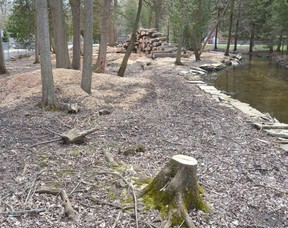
[(252, 35), (181, 38), (3, 69), (48, 92), (36, 53), (59, 31), (236, 35), (230, 28), (88, 46), (75, 6), (175, 190), (101, 60), (130, 48), (279, 44)]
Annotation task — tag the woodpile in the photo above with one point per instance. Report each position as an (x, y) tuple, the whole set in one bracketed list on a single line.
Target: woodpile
[(147, 41), (153, 44)]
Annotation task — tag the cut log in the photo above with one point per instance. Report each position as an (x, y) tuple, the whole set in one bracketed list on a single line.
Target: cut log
[(175, 190), (271, 126), (76, 136)]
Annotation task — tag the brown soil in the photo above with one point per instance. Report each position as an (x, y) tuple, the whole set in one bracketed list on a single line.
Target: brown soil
[(155, 115)]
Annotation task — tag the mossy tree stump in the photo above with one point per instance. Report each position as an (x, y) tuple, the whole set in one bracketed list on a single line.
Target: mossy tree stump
[(175, 190)]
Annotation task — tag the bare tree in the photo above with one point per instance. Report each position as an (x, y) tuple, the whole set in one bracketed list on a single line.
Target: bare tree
[(230, 27), (59, 31), (36, 53), (48, 92), (130, 47), (75, 6), (2, 60), (101, 60), (88, 46)]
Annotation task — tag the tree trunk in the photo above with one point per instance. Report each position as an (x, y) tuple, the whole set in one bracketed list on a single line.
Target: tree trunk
[(59, 31), (36, 53), (252, 34), (216, 33), (3, 69), (101, 60), (230, 28), (48, 92), (180, 41), (175, 190), (130, 48), (112, 26), (236, 35), (278, 49), (88, 46), (75, 6)]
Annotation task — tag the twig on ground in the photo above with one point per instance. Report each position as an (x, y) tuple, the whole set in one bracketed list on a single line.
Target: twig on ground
[(148, 224), (33, 185), (119, 216), (46, 142), (55, 133), (66, 125), (23, 212)]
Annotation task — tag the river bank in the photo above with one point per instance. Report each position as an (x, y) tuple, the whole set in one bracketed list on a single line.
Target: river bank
[(243, 172), (278, 57)]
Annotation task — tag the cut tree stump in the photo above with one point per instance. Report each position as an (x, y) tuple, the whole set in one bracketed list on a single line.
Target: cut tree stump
[(174, 191), (76, 136)]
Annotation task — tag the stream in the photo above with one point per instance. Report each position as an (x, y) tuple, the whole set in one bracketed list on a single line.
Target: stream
[(259, 82)]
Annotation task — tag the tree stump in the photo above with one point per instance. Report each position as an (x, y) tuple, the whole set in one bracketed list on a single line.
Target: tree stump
[(175, 190)]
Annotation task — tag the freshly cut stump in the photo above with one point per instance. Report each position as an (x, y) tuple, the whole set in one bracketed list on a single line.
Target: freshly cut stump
[(175, 190)]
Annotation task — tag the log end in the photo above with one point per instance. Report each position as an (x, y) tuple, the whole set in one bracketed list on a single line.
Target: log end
[(185, 160)]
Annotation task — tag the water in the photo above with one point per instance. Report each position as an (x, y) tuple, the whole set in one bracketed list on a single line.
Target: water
[(260, 83)]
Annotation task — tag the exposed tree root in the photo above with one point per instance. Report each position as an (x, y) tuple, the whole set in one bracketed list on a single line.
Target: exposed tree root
[(69, 211)]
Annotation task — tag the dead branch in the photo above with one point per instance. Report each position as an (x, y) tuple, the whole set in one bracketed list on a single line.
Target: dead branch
[(46, 142), (23, 212), (69, 211), (119, 216), (33, 184), (270, 126)]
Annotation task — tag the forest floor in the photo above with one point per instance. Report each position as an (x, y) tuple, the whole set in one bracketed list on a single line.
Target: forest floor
[(154, 115)]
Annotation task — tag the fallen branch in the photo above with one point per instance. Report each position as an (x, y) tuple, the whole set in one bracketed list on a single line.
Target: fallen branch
[(270, 126), (69, 211), (46, 142), (33, 185), (23, 212)]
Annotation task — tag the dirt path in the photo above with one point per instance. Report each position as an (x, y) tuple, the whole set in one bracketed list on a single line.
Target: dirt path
[(243, 172)]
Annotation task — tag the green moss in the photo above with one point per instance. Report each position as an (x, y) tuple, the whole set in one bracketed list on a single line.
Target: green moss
[(75, 152), (54, 184), (43, 164), (112, 144), (66, 172), (165, 204)]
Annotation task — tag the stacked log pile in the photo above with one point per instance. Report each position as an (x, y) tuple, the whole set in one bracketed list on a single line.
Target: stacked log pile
[(147, 41), (153, 44)]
